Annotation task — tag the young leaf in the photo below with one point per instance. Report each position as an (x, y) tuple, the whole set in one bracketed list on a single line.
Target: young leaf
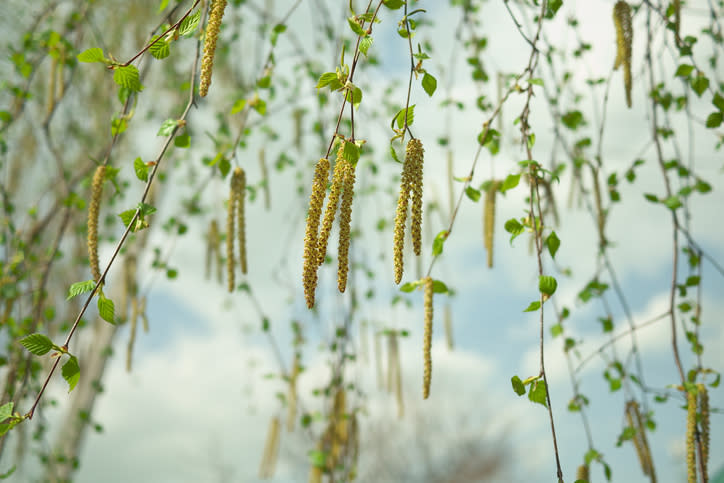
[(356, 28), (94, 54), (547, 285), (189, 24), (37, 344), (438, 243), (351, 152), (400, 116), (429, 83), (106, 308), (514, 227), (167, 127), (129, 77), (537, 392), (160, 49), (511, 181), (365, 44), (472, 193), (518, 386), (535, 305), (141, 169), (410, 286), (439, 287), (326, 79), (80, 287), (552, 242), (71, 372)]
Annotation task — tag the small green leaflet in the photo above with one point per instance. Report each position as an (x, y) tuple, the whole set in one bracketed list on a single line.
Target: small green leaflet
[(329, 79), (429, 83), (351, 152), (400, 117), (547, 284), (393, 4), (439, 287), (106, 308), (518, 386), (6, 410), (238, 106), (141, 169), (553, 243), (472, 193), (128, 77), (684, 70), (162, 6), (365, 44), (278, 29), (354, 96), (94, 54), (37, 344), (437, 244), (189, 24), (410, 286), (511, 181), (533, 306), (71, 372), (537, 392), (514, 227), (700, 83), (141, 223), (167, 127), (182, 141), (356, 28), (160, 49), (80, 288)]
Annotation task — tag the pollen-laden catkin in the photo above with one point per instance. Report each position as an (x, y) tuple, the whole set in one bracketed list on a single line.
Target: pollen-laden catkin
[(427, 339), (416, 154), (624, 40), (265, 179), (345, 225), (690, 437), (93, 212), (230, 232), (292, 396), (633, 416), (316, 201), (212, 246), (331, 211), (241, 218), (398, 243), (704, 423), (489, 220), (212, 34), (271, 450), (582, 473)]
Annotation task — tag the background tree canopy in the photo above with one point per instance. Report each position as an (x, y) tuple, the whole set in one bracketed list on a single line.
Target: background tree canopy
[(384, 241)]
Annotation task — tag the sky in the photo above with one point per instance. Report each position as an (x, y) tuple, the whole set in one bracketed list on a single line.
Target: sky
[(198, 402)]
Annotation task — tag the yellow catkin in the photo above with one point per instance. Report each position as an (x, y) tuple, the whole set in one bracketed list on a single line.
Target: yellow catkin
[(690, 436), (132, 335), (704, 424), (241, 219), (142, 313), (378, 361), (624, 40), (340, 415), (345, 225), (353, 446), (582, 473), (316, 200), (93, 212), (271, 450), (265, 179), (212, 34), (212, 246), (394, 373), (449, 327), (398, 243), (331, 211), (292, 396), (633, 416), (230, 231), (50, 101), (489, 220), (427, 339), (416, 155)]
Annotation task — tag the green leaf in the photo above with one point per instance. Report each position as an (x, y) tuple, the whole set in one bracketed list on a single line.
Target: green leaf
[(535, 305), (127, 216), (673, 202), (439, 242), (182, 141), (429, 83), (106, 308), (80, 288), (573, 120), (410, 286), (439, 287), (651, 197), (537, 392), (511, 181), (553, 243), (141, 169), (94, 54), (354, 96), (556, 330), (326, 79), (162, 6), (718, 102), (128, 77), (684, 70), (160, 49), (317, 458), (514, 227), (365, 44), (6, 410), (167, 127), (238, 106), (714, 120), (351, 152), (700, 83), (393, 4), (408, 113), (279, 28), (71, 372), (37, 344), (356, 28), (189, 24), (547, 284), (518, 386), (472, 193)]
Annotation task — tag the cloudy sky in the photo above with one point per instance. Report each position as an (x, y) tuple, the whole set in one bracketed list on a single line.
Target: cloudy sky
[(198, 402)]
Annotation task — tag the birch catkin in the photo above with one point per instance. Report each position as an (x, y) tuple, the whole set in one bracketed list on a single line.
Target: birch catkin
[(93, 212), (230, 232), (331, 211), (582, 473), (410, 186), (416, 155), (624, 40), (311, 253), (427, 339), (241, 218), (704, 423), (271, 450), (690, 436), (345, 225), (212, 34), (489, 220)]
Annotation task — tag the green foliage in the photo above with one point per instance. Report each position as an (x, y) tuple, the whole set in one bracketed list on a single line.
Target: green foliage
[(37, 344)]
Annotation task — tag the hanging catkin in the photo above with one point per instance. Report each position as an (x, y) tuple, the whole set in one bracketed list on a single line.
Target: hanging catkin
[(427, 339), (633, 417), (265, 179), (345, 225), (416, 153), (489, 220), (690, 437), (93, 212), (582, 473), (704, 423), (241, 218), (410, 186), (624, 40), (230, 232), (271, 450), (212, 34), (331, 211), (292, 396), (311, 254)]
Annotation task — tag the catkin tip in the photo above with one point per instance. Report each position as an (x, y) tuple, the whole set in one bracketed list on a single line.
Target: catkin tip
[(345, 225), (624, 40), (314, 213), (212, 34), (415, 153), (427, 339)]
